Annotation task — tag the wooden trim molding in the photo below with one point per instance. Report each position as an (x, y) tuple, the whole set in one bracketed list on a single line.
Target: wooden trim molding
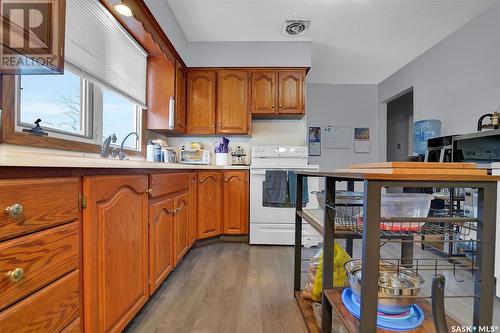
[(145, 29)]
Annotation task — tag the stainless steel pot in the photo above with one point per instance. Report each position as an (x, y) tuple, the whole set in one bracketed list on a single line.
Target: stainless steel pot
[(397, 283)]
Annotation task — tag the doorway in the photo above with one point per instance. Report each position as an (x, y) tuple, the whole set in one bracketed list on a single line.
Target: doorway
[(400, 127)]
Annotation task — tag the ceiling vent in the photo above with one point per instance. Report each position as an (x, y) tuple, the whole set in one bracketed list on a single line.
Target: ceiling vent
[(295, 27)]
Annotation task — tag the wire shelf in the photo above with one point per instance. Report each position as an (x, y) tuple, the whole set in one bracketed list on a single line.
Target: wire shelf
[(350, 218)]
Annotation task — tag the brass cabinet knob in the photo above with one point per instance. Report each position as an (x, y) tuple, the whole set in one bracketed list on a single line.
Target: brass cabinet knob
[(149, 191), (213, 126), (15, 210), (281, 106), (273, 106), (16, 274)]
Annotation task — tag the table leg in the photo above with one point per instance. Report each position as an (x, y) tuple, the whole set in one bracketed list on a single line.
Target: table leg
[(407, 253), (298, 235), (370, 256), (349, 245), (484, 281), (328, 240)]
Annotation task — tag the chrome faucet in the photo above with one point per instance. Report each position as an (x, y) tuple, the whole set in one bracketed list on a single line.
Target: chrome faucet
[(121, 154), (105, 145)]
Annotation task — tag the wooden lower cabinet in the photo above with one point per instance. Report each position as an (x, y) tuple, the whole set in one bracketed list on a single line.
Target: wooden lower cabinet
[(209, 204), (115, 250), (181, 225), (235, 202), (43, 257), (161, 241), (50, 309), (193, 223)]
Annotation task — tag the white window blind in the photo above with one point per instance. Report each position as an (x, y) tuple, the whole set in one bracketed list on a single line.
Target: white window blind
[(99, 46)]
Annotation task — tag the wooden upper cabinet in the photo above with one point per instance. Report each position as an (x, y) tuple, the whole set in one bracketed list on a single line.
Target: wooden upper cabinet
[(115, 250), (201, 92), (209, 204), (161, 85), (290, 92), (180, 99), (235, 206), (232, 102), (161, 241), (263, 92)]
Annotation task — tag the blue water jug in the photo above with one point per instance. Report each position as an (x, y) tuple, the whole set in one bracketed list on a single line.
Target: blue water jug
[(424, 130)]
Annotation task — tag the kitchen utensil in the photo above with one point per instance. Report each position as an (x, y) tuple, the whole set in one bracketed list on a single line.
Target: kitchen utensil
[(394, 281)]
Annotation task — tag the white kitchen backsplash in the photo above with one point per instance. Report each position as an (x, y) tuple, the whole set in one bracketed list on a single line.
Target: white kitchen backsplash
[(286, 132)]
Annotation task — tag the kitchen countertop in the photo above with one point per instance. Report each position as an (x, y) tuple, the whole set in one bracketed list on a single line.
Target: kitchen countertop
[(22, 157)]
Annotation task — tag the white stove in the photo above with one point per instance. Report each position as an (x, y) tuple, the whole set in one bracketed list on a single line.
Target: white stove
[(276, 225)]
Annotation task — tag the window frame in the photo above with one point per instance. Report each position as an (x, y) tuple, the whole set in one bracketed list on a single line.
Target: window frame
[(10, 131), (99, 111), (87, 116)]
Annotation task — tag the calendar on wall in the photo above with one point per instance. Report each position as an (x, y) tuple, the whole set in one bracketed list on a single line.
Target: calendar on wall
[(337, 137)]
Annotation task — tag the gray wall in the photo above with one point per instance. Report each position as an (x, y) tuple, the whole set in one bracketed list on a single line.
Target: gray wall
[(342, 105), (170, 26), (227, 54), (455, 81)]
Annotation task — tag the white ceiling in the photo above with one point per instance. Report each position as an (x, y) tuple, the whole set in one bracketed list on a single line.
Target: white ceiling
[(353, 41)]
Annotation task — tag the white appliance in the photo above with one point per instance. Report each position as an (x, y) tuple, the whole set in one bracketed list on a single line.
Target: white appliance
[(276, 225)]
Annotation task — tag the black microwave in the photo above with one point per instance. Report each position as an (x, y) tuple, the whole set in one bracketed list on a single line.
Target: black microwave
[(481, 147)]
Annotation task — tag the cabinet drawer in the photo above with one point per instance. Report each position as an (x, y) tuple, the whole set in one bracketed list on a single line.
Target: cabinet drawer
[(162, 184), (34, 204), (49, 310), (43, 257)]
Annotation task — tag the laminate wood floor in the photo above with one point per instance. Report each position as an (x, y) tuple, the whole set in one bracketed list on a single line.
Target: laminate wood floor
[(226, 287), (238, 288)]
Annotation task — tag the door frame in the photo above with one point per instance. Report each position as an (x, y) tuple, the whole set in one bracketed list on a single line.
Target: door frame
[(382, 122)]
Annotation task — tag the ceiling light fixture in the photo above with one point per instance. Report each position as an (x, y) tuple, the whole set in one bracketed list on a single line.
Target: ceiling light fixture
[(122, 9)]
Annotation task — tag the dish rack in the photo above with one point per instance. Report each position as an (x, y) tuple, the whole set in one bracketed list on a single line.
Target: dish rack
[(364, 221)]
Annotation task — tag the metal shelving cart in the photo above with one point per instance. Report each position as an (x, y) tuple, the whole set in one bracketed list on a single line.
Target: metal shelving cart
[(368, 227)]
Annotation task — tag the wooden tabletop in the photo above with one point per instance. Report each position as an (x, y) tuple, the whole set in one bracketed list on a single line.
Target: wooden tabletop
[(402, 174), (414, 165)]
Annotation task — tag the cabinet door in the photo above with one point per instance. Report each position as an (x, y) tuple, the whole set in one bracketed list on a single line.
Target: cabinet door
[(115, 250), (180, 99), (290, 92), (201, 102), (232, 102), (235, 196), (193, 225), (181, 225), (263, 95), (161, 241), (209, 204), (161, 85)]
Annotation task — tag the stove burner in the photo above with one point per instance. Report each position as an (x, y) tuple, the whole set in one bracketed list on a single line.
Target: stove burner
[(401, 322)]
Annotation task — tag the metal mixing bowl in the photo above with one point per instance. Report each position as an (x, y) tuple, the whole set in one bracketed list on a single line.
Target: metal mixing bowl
[(395, 282)]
